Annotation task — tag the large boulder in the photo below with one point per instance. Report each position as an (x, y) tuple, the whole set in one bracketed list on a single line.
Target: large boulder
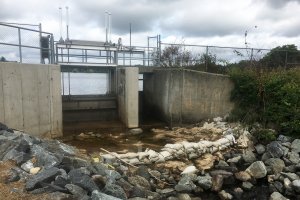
[(46, 175), (257, 169), (77, 177), (275, 149), (296, 145), (275, 164)]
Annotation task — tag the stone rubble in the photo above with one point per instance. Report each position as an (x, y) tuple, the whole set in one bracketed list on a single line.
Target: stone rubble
[(222, 169)]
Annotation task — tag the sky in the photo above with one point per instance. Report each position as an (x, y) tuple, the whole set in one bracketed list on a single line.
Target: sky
[(269, 23)]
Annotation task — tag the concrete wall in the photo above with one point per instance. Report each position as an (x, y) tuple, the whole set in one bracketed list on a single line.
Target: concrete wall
[(186, 96), (30, 98), (89, 108), (127, 82)]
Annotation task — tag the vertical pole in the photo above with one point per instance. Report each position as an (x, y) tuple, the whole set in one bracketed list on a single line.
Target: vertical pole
[(20, 48), (67, 22), (63, 82), (41, 48), (130, 43), (206, 59), (251, 57), (52, 49), (148, 51), (159, 52), (285, 63), (69, 83)]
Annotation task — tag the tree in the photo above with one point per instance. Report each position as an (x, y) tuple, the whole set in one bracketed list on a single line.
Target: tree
[(3, 59), (175, 56), (282, 56)]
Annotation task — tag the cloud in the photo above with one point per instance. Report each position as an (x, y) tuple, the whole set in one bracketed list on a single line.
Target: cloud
[(280, 3)]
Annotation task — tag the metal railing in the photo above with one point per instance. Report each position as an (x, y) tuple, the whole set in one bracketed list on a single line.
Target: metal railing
[(25, 45), (184, 55)]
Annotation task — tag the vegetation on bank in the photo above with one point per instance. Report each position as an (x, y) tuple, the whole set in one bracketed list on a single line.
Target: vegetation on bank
[(267, 89), (268, 96)]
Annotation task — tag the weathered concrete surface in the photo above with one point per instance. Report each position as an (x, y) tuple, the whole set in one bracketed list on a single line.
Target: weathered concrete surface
[(30, 98), (128, 100), (186, 96)]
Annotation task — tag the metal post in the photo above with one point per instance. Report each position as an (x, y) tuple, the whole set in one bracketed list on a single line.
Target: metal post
[(63, 82), (286, 56), (20, 48), (159, 52), (130, 43), (206, 59), (148, 50), (251, 57), (41, 48), (69, 83), (52, 49)]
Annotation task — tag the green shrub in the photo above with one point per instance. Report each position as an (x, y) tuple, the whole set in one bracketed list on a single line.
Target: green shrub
[(265, 136), (268, 97)]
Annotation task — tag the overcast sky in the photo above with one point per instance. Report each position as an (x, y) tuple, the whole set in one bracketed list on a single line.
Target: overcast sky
[(204, 22)]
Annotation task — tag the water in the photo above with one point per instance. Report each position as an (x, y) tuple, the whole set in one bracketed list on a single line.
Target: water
[(88, 83)]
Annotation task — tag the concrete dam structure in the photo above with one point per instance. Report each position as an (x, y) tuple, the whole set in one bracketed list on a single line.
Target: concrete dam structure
[(31, 97)]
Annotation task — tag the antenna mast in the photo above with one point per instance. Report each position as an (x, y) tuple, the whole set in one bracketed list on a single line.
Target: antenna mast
[(67, 22)]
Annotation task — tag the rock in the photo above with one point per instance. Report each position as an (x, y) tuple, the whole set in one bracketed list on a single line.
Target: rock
[(220, 172), (276, 187), (205, 182), (225, 195), (277, 196), (238, 192), (136, 131), (283, 138), (34, 170), (12, 176), (296, 185), (189, 170), (291, 176), (27, 166), (260, 149), (113, 175), (221, 164), (78, 178), (114, 190), (3, 127), (44, 158), (166, 192), (293, 157), (139, 181), (275, 149), (46, 175), (257, 169), (249, 156), (276, 165), (96, 195), (184, 196), (138, 192), (61, 181), (287, 184), (143, 172), (266, 156), (185, 184), (296, 146), (55, 146), (59, 196), (100, 168), (242, 176), (247, 185), (234, 159), (77, 191), (205, 162), (217, 183)]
